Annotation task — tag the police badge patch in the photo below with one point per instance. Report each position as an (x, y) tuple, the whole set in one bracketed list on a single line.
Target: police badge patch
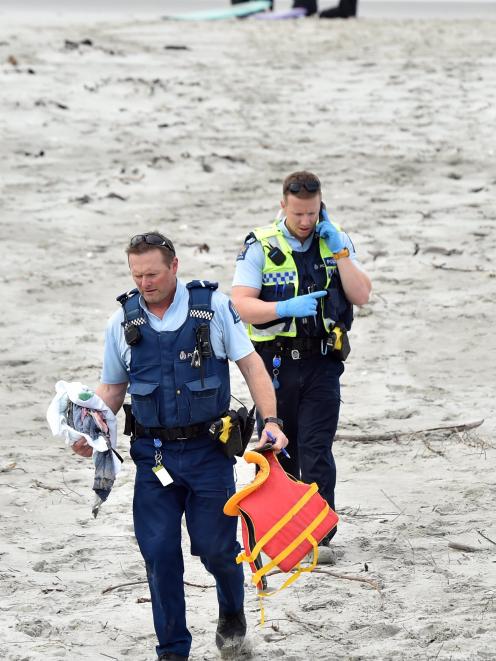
[(242, 252), (234, 312)]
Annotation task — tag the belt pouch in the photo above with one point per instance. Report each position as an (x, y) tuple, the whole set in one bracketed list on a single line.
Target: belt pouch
[(129, 420)]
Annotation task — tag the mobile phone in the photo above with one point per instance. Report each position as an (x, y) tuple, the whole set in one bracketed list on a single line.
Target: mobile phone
[(321, 215)]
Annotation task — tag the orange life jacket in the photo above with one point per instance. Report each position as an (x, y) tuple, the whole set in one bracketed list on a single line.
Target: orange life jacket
[(281, 516)]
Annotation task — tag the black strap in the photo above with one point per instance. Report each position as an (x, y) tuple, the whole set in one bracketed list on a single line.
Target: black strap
[(171, 433)]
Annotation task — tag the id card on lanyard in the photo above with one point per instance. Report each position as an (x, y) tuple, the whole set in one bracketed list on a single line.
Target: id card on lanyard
[(159, 470)]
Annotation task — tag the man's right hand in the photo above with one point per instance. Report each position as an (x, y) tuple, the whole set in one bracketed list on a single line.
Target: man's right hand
[(82, 448), (300, 306)]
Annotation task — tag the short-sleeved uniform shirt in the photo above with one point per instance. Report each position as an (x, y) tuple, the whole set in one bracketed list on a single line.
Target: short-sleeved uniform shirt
[(227, 334), (251, 259)]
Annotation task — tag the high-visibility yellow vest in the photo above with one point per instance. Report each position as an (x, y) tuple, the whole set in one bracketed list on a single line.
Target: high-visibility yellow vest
[(280, 282)]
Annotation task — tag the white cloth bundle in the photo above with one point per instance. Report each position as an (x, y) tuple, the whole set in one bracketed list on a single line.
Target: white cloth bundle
[(107, 463)]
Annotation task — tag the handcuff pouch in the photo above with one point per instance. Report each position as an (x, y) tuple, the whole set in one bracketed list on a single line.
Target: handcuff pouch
[(233, 431)]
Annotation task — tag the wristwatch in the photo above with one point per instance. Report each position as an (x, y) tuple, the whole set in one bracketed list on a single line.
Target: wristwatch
[(276, 421), (344, 252)]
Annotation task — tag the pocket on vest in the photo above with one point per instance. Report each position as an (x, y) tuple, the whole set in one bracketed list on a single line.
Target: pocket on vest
[(280, 292), (204, 399), (144, 403)]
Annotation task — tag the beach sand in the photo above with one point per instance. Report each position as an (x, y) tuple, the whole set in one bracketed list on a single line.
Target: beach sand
[(113, 127)]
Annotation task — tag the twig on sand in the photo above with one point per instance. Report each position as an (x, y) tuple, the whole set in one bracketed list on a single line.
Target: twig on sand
[(125, 585), (440, 453), (198, 585), (439, 652), (460, 269), (314, 628), (400, 509), (486, 537), (12, 466), (396, 435), (40, 485), (68, 487), (370, 581), (464, 547)]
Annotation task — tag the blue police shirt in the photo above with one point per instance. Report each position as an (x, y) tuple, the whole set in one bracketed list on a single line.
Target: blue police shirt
[(251, 259), (227, 335)]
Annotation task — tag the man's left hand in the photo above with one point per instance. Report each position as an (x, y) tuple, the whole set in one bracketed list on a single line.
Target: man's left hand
[(82, 448), (326, 230), (278, 438)]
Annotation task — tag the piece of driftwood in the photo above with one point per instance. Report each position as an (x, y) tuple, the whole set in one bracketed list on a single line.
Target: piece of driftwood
[(125, 585), (464, 547), (370, 581), (396, 435)]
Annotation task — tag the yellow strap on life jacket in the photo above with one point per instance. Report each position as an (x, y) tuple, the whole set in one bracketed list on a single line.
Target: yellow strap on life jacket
[(305, 534), (255, 551), (299, 570)]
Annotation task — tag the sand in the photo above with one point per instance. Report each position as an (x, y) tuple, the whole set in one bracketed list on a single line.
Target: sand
[(113, 127)]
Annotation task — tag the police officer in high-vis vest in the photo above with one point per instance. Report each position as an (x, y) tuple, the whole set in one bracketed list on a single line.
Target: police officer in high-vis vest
[(295, 285), (169, 345)]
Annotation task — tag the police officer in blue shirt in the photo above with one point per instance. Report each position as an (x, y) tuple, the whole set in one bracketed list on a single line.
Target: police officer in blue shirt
[(169, 344), (295, 284)]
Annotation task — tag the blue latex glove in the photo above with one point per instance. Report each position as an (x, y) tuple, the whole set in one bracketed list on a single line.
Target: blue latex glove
[(326, 230), (300, 306)]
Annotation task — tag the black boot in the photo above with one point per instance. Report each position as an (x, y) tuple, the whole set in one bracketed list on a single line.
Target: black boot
[(231, 632), (170, 656), (327, 539), (309, 5), (345, 9), (238, 2)]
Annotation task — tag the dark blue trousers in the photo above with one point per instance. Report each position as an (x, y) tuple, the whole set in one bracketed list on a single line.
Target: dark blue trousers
[(308, 400), (203, 481)]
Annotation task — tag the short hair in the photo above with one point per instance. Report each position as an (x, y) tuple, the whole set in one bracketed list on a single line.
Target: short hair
[(304, 184), (141, 243)]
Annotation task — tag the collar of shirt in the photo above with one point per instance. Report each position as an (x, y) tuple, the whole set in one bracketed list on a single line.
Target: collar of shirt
[(294, 243), (174, 316)]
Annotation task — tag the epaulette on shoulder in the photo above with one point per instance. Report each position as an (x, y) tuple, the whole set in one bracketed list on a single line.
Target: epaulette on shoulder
[(266, 231), (123, 298), (205, 284), (250, 238)]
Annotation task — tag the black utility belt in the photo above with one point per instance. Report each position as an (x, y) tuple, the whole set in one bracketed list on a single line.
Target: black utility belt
[(336, 345), (171, 433), (295, 348), (232, 431)]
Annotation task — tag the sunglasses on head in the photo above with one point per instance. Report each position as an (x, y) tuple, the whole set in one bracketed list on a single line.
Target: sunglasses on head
[(152, 240), (311, 186)]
